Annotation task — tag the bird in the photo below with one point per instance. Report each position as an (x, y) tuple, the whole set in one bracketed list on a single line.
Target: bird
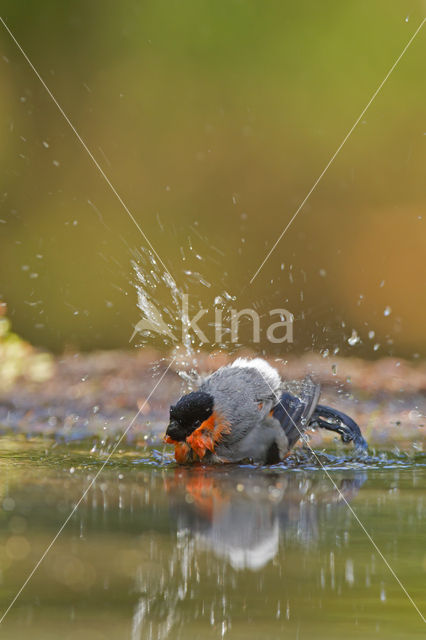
[(245, 412)]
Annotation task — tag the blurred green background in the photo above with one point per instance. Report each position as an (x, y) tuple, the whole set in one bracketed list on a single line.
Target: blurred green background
[(213, 120)]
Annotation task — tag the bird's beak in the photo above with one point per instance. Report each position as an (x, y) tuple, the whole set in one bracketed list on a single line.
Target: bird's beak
[(172, 432)]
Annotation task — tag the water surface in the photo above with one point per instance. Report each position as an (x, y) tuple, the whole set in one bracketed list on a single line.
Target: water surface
[(155, 551)]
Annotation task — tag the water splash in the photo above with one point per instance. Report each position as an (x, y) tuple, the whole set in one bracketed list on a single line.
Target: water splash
[(166, 308)]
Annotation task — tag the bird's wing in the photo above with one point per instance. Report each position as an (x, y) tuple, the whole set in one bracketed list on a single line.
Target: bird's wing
[(242, 397), (296, 406)]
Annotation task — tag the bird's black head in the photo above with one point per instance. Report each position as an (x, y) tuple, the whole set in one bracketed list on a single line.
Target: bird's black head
[(188, 413)]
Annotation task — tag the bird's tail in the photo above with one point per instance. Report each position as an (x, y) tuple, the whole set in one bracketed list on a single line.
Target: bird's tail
[(294, 412), (334, 420)]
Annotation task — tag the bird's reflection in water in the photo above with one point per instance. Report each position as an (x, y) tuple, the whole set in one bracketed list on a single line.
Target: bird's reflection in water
[(230, 522), (240, 515)]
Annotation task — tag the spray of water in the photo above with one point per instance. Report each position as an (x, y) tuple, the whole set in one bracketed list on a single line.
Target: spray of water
[(163, 321)]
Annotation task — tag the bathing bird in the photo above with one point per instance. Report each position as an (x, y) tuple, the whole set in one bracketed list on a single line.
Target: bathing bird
[(245, 412)]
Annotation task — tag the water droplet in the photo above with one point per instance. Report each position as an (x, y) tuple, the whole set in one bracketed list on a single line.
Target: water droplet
[(354, 339), (387, 311)]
